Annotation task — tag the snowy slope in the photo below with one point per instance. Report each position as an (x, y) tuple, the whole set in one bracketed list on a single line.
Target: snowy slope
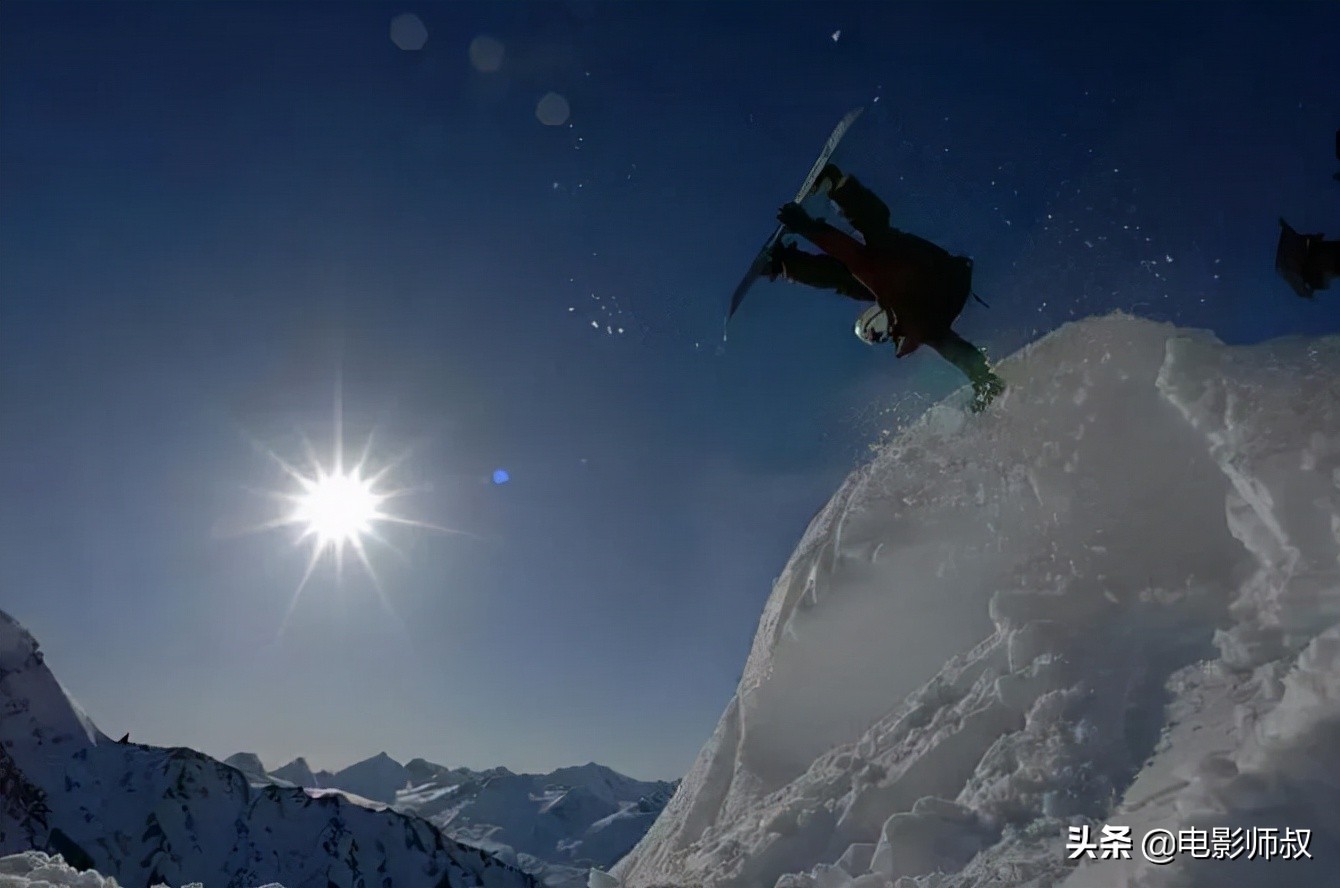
[(144, 815), (1106, 600)]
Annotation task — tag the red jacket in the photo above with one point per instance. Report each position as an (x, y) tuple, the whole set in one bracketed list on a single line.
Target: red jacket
[(921, 285)]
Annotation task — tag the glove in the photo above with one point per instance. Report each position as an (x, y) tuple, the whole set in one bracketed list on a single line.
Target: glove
[(794, 217)]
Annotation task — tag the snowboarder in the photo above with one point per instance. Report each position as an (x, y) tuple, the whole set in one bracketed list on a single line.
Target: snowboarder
[(1308, 262), (918, 288)]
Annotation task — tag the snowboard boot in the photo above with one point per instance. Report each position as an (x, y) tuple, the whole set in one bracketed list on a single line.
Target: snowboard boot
[(830, 177), (984, 391)]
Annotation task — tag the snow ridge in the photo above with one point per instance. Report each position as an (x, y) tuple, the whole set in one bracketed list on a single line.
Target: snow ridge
[(1109, 599)]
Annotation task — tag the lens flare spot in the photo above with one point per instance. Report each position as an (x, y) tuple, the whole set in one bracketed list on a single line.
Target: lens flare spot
[(486, 53), (408, 32), (552, 110)]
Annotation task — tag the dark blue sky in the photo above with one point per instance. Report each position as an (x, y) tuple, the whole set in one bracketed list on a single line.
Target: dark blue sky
[(212, 216)]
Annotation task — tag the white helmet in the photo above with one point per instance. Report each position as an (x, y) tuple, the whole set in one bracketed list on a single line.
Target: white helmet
[(874, 325)]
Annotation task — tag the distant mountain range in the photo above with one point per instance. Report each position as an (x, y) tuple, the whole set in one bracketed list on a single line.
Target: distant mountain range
[(554, 825), (146, 815)]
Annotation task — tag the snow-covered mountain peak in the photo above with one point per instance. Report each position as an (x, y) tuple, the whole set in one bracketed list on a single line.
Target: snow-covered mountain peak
[(145, 815), (248, 763), (378, 778), (41, 719), (297, 773)]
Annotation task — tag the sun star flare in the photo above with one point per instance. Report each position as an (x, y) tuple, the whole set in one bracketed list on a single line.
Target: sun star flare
[(334, 509), (337, 509)]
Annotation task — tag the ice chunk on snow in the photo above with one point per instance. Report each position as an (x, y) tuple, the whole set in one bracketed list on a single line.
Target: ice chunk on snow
[(33, 869)]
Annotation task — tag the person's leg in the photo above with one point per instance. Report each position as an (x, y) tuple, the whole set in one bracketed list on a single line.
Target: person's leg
[(972, 363), (953, 287), (859, 205), (816, 270)]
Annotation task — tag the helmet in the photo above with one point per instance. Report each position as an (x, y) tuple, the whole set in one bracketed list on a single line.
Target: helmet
[(874, 325)]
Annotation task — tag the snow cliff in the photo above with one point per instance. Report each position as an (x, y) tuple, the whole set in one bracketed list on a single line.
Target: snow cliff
[(144, 815), (1108, 599)]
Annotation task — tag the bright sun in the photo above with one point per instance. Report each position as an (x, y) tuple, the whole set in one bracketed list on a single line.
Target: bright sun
[(337, 509)]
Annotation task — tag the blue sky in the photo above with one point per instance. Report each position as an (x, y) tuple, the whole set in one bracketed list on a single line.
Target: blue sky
[(216, 216)]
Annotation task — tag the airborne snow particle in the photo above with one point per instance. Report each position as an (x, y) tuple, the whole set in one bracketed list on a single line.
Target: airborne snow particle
[(500, 476), (486, 53), (552, 110), (408, 32), (837, 35)]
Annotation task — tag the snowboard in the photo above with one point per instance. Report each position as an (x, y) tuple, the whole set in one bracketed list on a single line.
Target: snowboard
[(760, 263)]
